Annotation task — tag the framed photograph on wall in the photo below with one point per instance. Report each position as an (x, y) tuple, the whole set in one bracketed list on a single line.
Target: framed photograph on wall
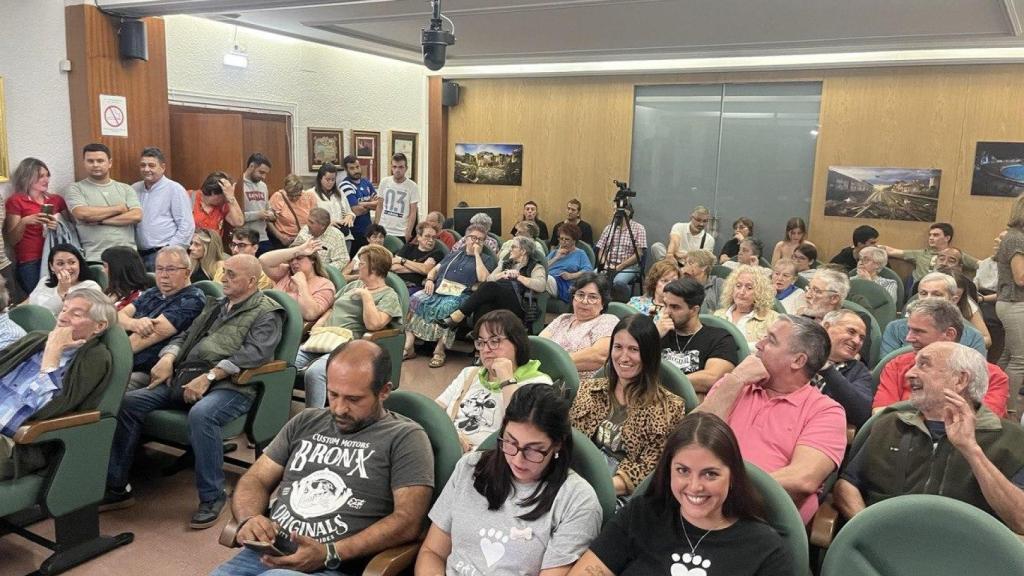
[(886, 193), (496, 164), (324, 145), (406, 143), (998, 169), (366, 147), (5, 166)]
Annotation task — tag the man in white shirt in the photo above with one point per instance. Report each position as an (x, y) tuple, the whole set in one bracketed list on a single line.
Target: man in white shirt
[(401, 200), (693, 235)]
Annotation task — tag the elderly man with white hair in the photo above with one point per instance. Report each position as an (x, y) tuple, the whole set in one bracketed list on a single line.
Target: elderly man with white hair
[(933, 285), (825, 293), (944, 440), (870, 261), (844, 378)]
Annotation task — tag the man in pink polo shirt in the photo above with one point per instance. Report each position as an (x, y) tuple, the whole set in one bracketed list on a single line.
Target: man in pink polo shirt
[(783, 423)]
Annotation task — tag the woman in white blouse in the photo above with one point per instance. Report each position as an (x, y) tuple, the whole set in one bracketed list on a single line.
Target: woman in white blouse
[(68, 271)]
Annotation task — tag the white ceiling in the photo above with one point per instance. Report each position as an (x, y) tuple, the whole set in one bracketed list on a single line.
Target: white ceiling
[(495, 32)]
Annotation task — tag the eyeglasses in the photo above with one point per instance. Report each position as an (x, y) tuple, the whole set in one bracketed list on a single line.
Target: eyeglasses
[(240, 245), (491, 343), (474, 238), (588, 298), (168, 269), (815, 290), (534, 455)]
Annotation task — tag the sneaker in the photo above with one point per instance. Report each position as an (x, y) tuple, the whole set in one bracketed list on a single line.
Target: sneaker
[(116, 499), (208, 512)]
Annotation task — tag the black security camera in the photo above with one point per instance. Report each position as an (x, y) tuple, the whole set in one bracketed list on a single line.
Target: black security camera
[(436, 40)]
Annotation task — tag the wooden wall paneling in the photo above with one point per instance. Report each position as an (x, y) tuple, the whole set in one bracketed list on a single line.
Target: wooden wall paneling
[(203, 141), (437, 148), (97, 68), (271, 135)]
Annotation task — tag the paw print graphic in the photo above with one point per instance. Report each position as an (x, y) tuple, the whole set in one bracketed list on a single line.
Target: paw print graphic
[(689, 565)]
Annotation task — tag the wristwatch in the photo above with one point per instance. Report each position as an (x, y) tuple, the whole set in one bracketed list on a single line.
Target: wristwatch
[(211, 377), (403, 261), (510, 382), (333, 559)]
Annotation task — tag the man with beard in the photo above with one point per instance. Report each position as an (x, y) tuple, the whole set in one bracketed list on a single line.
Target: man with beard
[(378, 464), (257, 198), (703, 353), (361, 197), (946, 439)]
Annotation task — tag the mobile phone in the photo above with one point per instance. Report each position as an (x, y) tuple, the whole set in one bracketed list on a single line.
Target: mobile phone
[(282, 545), (48, 209)]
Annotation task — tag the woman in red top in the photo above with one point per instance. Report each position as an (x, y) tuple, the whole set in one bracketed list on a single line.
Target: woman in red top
[(27, 219)]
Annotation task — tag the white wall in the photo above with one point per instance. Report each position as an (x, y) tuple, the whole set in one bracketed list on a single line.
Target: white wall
[(323, 86), (38, 109)]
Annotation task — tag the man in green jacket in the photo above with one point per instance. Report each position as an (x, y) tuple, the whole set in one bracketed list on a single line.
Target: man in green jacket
[(947, 442), (194, 373), (48, 374)]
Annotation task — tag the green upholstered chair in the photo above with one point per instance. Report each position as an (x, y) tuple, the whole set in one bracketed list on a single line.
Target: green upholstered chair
[(393, 243), (874, 299), (209, 288), (589, 462), (782, 514), (742, 347), (496, 238), (447, 450), (873, 331), (886, 272), (621, 310), (71, 486), (924, 534), (801, 282), (392, 338), (32, 317), (334, 275), (721, 271), (673, 379), (99, 276), (442, 247), (454, 234), (555, 362), (778, 307), (273, 382), (589, 250)]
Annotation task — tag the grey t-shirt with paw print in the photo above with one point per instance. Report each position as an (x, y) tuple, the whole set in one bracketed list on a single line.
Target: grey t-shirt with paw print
[(497, 543)]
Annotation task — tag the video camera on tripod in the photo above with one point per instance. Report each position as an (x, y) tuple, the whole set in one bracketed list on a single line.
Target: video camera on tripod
[(623, 195)]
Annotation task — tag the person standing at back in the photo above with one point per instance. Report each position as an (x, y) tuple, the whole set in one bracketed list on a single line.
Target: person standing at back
[(401, 201), (105, 210), (362, 198), (257, 198), (166, 211)]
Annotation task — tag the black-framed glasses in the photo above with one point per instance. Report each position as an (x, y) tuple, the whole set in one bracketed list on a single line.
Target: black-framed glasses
[(168, 269), (240, 245), (535, 455), (491, 343)]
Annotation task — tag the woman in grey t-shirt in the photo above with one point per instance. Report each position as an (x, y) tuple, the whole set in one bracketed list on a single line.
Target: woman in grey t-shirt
[(518, 508)]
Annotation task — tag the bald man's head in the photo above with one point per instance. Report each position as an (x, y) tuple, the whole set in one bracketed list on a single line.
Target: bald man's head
[(241, 276), (358, 382)]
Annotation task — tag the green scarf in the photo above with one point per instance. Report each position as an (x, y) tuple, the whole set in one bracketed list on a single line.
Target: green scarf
[(529, 370)]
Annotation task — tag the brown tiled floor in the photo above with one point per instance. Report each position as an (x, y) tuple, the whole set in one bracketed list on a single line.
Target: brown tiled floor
[(164, 544)]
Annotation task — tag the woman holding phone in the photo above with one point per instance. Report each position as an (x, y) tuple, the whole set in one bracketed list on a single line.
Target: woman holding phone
[(31, 210)]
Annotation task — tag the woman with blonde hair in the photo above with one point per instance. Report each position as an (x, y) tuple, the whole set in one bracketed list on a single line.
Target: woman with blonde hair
[(207, 253), (660, 274), (748, 301)]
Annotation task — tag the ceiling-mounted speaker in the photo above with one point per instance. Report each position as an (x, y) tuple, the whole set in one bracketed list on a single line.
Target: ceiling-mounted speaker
[(449, 93), (131, 40)]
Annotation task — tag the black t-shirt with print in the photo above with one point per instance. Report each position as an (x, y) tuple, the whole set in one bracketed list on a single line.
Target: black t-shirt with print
[(691, 355), (645, 538), (413, 253)]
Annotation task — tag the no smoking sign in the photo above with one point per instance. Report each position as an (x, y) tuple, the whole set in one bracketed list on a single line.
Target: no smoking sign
[(113, 116)]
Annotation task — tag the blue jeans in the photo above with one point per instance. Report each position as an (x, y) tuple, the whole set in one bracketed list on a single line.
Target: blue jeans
[(247, 563), (315, 380), (28, 275), (627, 275), (149, 260), (205, 419)]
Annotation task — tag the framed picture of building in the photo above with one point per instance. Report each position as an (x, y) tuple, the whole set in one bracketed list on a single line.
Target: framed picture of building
[(366, 147), (407, 143), (325, 145), (882, 192), (500, 164)]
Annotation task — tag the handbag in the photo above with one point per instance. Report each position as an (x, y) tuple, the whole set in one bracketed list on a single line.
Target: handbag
[(324, 339), (185, 373)]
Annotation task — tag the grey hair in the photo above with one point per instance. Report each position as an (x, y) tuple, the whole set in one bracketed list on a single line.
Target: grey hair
[(436, 216), (320, 216), (876, 255), (482, 219), (476, 227), (531, 228), (969, 361), (700, 210), (525, 244), (101, 309), (835, 281), (943, 313), (949, 281), (836, 316), (811, 339), (178, 251)]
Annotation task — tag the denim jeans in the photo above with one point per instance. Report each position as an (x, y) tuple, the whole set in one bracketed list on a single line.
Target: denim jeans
[(149, 260), (205, 419), (28, 275), (247, 563), (1011, 314), (626, 275), (315, 381)]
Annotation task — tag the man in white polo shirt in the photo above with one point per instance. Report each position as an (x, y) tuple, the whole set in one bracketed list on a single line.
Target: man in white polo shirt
[(692, 235)]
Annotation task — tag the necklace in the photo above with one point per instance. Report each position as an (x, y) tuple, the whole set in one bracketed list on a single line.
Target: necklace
[(683, 347), (693, 549)]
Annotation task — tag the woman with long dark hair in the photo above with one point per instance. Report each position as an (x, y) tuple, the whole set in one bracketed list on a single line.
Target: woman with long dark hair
[(628, 413), (329, 197), (126, 275), (796, 234), (702, 515), (68, 271), (518, 508)]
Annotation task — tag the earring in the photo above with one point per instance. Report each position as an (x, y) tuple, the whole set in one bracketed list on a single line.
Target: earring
[(556, 455)]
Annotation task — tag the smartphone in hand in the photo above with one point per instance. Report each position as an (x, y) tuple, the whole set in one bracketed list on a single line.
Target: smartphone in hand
[(281, 546), (47, 209)]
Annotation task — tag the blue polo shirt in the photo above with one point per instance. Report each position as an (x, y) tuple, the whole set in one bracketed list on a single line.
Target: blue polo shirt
[(180, 309)]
